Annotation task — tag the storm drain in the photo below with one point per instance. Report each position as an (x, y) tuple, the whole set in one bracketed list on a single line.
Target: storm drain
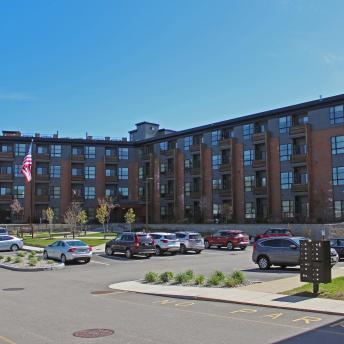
[(94, 333), (13, 289), (102, 292)]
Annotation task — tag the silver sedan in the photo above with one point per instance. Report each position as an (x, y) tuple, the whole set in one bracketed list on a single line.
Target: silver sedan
[(68, 250), (9, 242)]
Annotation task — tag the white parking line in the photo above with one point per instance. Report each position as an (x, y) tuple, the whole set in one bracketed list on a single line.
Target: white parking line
[(95, 262)]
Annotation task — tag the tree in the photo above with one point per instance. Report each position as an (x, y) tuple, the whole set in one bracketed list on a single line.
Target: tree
[(71, 216), (101, 214), (16, 208), (49, 214), (106, 205), (82, 219), (130, 217)]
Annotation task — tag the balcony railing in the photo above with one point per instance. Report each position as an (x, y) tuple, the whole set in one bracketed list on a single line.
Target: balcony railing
[(297, 130), (42, 177), (79, 177), (258, 137), (42, 198), (299, 187), (195, 147), (78, 157), (111, 179), (6, 155), (169, 174), (258, 163), (196, 171), (6, 176), (169, 196), (42, 156), (196, 194), (299, 158), (225, 167), (260, 190), (225, 192), (111, 158), (225, 142), (6, 198)]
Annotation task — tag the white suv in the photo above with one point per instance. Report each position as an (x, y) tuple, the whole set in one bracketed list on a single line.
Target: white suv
[(165, 242), (190, 241)]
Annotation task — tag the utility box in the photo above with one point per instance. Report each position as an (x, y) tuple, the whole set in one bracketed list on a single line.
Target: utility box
[(315, 261)]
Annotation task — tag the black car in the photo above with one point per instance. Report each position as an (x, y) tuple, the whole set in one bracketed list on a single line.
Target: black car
[(338, 245), (131, 244)]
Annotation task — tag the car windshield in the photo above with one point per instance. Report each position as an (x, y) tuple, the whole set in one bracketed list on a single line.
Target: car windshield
[(297, 240), (195, 236), (170, 236), (144, 237), (76, 243)]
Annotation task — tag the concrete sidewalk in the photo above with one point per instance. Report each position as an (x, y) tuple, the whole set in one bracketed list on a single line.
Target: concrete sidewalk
[(242, 295)]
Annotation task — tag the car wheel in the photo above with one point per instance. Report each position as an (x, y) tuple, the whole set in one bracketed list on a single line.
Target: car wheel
[(148, 255), (198, 251), (158, 251), (128, 253), (206, 244), (108, 251), (63, 259), (45, 255), (87, 260), (173, 253), (243, 248), (263, 263), (182, 249), (230, 246), (283, 266), (14, 248)]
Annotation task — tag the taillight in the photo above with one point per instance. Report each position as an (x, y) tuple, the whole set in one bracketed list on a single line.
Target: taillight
[(165, 241), (137, 241), (89, 248), (254, 246), (72, 249)]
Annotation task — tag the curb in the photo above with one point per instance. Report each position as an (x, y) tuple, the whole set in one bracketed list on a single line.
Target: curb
[(48, 268), (203, 298)]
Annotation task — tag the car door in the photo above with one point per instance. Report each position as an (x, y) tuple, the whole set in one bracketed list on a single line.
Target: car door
[(52, 252), (272, 248), (215, 239), (290, 252), (116, 246), (2, 243), (6, 242), (340, 247)]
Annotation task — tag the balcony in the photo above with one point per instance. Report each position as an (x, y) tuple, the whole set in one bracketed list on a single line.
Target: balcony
[(196, 171), (42, 157), (259, 163), (225, 167), (111, 179), (169, 196), (298, 158), (260, 190), (196, 194), (258, 137), (299, 187), (195, 147), (146, 156), (169, 174), (170, 152), (297, 130), (225, 142), (78, 198), (7, 198), (111, 159), (6, 176), (6, 155), (225, 192), (42, 177), (42, 199), (78, 178), (78, 157)]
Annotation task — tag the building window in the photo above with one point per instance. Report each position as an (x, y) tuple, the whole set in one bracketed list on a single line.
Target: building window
[(215, 137), (162, 189), (163, 167), (55, 171), (123, 173), (110, 152), (217, 209), (6, 170), (42, 149), (250, 211), (56, 211), (110, 172), (4, 148), (90, 192), (163, 211), (17, 171), (90, 152), (249, 183), (55, 192), (187, 189), (124, 192), (55, 151), (19, 191), (42, 170), (163, 146), (187, 164), (286, 180), (337, 143), (187, 142), (20, 149), (141, 191), (287, 208), (217, 184), (337, 114), (248, 157), (247, 131), (285, 152), (90, 172), (339, 210), (216, 161), (141, 172), (5, 191), (284, 124), (338, 175), (123, 153), (77, 151)]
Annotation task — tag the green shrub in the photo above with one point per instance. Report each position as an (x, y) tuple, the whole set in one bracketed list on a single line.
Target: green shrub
[(219, 274), (1, 257), (8, 259), (238, 276), (32, 253), (190, 274), (32, 262), (200, 279), (49, 261), (151, 277), (231, 282), (17, 260), (166, 277), (21, 254), (184, 277), (214, 280)]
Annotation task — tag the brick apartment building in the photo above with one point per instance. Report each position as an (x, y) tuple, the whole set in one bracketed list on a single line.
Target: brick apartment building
[(283, 165)]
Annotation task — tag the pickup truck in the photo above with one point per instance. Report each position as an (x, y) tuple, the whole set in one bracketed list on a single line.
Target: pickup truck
[(227, 238)]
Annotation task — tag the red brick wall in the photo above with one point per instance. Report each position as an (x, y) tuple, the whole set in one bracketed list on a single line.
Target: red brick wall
[(238, 174), (65, 186), (154, 188), (133, 181), (274, 180), (179, 186), (207, 182), (100, 179)]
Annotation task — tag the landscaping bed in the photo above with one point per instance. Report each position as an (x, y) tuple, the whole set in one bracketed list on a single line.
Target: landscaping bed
[(27, 261), (188, 278), (42, 242), (333, 290)]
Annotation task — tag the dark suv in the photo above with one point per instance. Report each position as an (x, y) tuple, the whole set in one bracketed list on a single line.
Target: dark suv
[(138, 243)]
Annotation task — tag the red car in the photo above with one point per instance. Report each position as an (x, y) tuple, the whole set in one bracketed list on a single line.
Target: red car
[(274, 232), (227, 238)]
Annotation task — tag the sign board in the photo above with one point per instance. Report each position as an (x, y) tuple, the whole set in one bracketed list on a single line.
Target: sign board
[(315, 261)]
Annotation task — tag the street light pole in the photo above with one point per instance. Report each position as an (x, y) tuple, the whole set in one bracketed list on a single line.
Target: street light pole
[(147, 182)]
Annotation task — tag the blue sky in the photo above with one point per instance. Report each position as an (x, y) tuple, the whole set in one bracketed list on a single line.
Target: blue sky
[(102, 66)]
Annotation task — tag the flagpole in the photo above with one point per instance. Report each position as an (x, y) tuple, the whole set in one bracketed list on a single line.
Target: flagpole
[(31, 189)]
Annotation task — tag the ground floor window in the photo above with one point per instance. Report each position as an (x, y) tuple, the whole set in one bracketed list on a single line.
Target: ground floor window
[(250, 211), (339, 210)]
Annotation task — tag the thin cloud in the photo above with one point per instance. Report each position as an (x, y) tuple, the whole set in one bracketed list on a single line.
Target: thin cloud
[(330, 58), (16, 97)]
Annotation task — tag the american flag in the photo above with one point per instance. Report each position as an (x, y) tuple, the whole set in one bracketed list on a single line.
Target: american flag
[(27, 164)]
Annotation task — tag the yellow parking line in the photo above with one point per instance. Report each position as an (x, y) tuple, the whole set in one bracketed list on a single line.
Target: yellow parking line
[(7, 340)]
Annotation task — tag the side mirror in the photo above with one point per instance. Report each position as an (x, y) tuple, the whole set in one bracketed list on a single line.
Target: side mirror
[(293, 246)]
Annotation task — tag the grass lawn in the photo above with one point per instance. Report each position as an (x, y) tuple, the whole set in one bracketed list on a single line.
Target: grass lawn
[(98, 235), (41, 242), (333, 290)]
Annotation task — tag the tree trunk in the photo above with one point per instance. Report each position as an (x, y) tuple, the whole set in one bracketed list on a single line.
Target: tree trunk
[(104, 231)]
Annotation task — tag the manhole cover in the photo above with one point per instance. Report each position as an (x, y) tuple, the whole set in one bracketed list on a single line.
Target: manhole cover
[(12, 289), (102, 292), (93, 333)]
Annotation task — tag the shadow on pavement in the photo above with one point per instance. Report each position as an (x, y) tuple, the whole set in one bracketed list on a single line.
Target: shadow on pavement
[(275, 270), (121, 257), (332, 333)]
